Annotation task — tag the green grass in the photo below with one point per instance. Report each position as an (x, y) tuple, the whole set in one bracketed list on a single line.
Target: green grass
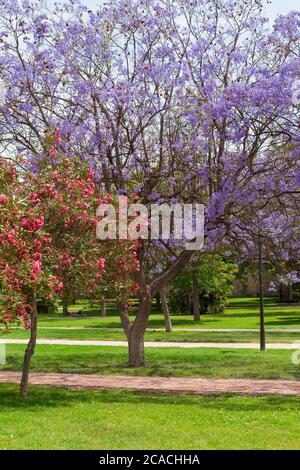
[(62, 419), (181, 336), (166, 362), (241, 313)]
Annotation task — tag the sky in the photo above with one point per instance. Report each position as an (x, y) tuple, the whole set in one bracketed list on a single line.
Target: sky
[(277, 7)]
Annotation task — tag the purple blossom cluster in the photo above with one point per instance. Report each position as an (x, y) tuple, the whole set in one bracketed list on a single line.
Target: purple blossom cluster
[(178, 101)]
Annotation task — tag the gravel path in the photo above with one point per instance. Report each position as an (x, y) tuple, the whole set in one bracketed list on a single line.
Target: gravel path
[(152, 344), (160, 384)]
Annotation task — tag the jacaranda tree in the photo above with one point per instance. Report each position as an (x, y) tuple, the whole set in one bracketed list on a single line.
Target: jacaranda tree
[(47, 238)]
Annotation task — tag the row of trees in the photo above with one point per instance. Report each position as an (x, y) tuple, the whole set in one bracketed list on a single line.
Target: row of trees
[(205, 286)]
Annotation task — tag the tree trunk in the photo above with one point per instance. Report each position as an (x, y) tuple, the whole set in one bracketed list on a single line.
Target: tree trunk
[(135, 332), (196, 302), (65, 306), (281, 293), (103, 309), (29, 350), (165, 308)]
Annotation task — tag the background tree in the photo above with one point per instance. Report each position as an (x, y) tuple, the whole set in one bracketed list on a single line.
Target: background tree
[(60, 198), (24, 277)]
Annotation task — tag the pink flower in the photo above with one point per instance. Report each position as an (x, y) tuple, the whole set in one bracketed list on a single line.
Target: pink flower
[(58, 136), (37, 244), (52, 152), (91, 174), (36, 267), (47, 239)]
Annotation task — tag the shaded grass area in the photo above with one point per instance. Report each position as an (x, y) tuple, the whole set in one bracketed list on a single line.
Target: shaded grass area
[(181, 336), (57, 418), (166, 362)]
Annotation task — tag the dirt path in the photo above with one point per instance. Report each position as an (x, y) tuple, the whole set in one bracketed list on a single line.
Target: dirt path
[(153, 344), (191, 330), (160, 384)]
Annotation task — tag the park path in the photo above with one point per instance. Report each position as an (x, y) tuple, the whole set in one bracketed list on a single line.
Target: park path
[(152, 344), (213, 330), (160, 384)]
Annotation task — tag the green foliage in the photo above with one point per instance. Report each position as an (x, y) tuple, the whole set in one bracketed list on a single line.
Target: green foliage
[(214, 278), (59, 418), (49, 306)]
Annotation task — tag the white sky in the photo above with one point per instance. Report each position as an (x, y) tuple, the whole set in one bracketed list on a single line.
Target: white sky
[(277, 7), (281, 6)]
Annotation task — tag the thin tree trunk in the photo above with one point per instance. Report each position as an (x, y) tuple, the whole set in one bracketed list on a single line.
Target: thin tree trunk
[(165, 308), (136, 350), (290, 293), (136, 333), (29, 350), (196, 302), (281, 293), (103, 309), (66, 297)]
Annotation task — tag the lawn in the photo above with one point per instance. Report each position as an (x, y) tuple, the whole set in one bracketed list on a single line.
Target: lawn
[(166, 362), (62, 419)]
